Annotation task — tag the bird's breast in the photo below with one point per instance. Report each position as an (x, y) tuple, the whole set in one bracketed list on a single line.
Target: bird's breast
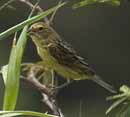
[(52, 63)]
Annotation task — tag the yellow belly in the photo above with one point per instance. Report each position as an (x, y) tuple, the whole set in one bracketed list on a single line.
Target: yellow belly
[(51, 63)]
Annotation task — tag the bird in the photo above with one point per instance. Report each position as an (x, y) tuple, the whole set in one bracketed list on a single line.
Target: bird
[(58, 55)]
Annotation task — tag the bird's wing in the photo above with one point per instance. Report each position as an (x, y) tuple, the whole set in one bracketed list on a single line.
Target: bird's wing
[(67, 56)]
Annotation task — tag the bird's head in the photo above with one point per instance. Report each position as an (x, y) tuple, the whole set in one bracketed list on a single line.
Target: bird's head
[(39, 30)]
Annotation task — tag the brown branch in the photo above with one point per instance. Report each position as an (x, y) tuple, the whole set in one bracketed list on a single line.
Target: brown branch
[(48, 99), (51, 103), (48, 93), (37, 85)]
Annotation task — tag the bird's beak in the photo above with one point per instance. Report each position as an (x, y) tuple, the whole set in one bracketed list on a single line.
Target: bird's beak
[(31, 30)]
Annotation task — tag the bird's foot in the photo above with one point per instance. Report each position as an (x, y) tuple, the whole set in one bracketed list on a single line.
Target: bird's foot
[(62, 85)]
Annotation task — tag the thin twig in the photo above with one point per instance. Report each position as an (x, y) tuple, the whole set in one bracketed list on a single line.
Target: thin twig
[(50, 102), (11, 7), (47, 21), (27, 3), (31, 5), (38, 8), (6, 4), (33, 9), (54, 13)]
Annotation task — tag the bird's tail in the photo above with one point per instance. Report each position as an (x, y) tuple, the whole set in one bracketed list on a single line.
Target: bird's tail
[(105, 85)]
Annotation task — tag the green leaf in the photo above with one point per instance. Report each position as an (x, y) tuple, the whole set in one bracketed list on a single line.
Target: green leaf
[(10, 115), (122, 98), (13, 74), (115, 104), (31, 113), (83, 3), (124, 111), (13, 71), (28, 21)]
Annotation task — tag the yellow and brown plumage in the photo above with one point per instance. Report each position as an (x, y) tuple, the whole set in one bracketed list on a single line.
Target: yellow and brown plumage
[(58, 55)]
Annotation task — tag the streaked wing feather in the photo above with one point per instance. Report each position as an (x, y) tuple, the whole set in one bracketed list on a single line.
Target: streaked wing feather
[(67, 56)]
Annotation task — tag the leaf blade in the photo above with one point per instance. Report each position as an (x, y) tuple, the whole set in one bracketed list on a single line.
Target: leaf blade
[(32, 113), (28, 21)]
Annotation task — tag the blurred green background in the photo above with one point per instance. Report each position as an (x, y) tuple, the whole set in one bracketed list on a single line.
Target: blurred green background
[(99, 33)]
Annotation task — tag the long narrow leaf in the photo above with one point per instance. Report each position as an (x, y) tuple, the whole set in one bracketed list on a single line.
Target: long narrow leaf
[(10, 115), (12, 85), (115, 104), (83, 3), (28, 21), (124, 111), (32, 113), (13, 71)]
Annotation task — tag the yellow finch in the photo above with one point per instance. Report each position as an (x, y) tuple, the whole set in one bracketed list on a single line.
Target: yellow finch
[(58, 55)]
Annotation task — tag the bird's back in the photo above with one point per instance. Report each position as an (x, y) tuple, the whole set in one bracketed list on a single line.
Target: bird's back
[(67, 56)]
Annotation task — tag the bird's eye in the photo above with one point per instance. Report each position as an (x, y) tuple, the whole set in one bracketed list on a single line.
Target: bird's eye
[(40, 28)]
